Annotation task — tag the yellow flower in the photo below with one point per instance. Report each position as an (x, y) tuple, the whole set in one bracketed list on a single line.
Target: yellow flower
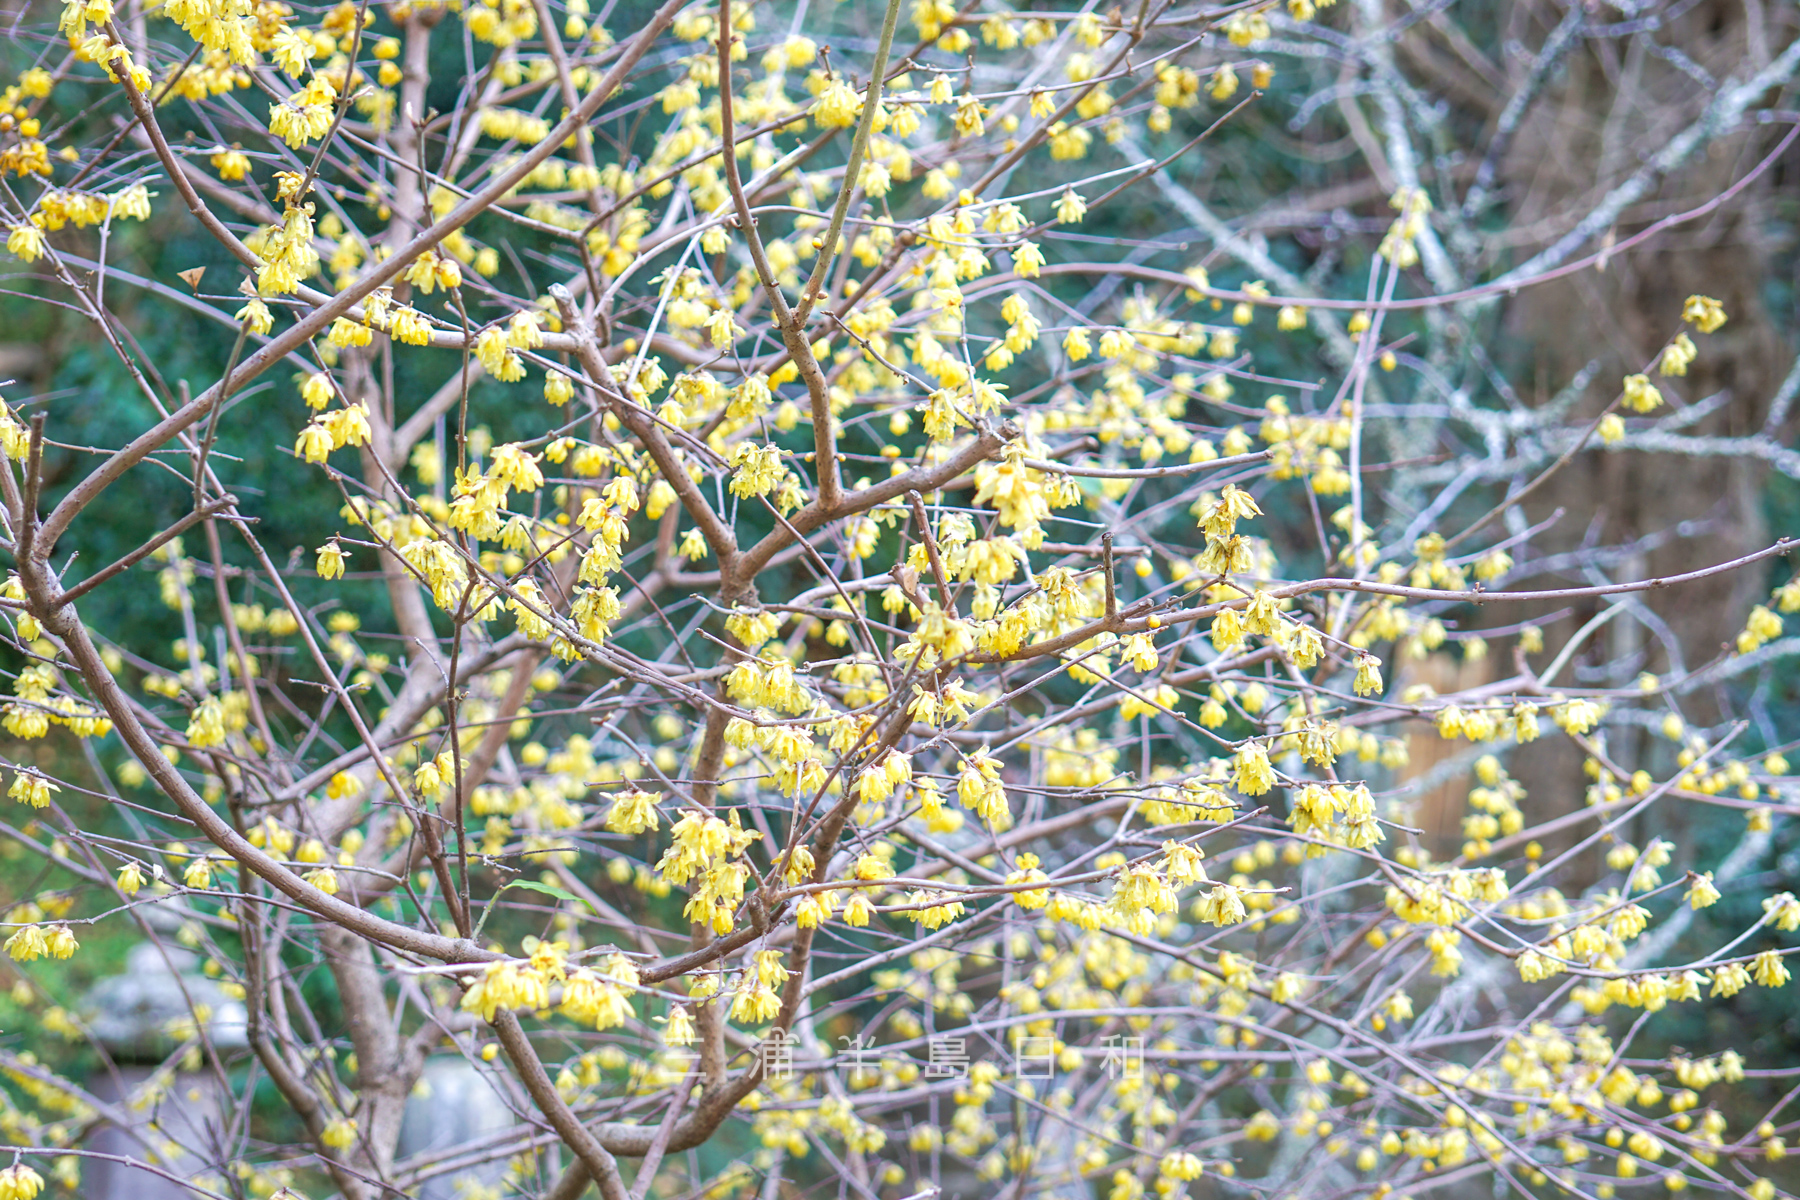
[(1222, 906), (26, 944), (206, 724), (348, 426), (28, 787), (1677, 355), (1116, 343), (291, 51), (299, 123), (1252, 774), (345, 332), (633, 811), (1182, 1165), (26, 242), (858, 910), (61, 942), (1368, 675), (339, 1133), (757, 469), (680, 1028), (314, 443), (754, 1003), (969, 114), (198, 874), (317, 390), (1729, 980), (1703, 313), (1224, 83), (493, 350), (837, 107), (20, 1182), (978, 787), (408, 326), (1640, 395), (331, 560), (1769, 970), (232, 165), (256, 317), (557, 388), (523, 332), (1782, 911), (1246, 28), (593, 1000), (723, 329)]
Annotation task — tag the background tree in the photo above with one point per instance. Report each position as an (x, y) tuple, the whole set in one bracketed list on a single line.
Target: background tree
[(864, 600)]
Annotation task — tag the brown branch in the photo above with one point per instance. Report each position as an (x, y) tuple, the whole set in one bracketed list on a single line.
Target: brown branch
[(600, 1164), (209, 509), (931, 548)]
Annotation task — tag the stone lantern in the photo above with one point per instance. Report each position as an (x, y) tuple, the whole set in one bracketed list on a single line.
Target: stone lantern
[(136, 1017), (455, 1115), (453, 1120)]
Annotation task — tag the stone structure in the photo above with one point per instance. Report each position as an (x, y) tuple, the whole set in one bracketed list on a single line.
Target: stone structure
[(133, 1015), (454, 1114)]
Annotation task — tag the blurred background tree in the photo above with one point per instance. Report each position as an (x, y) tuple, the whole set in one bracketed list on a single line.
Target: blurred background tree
[(1545, 139)]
